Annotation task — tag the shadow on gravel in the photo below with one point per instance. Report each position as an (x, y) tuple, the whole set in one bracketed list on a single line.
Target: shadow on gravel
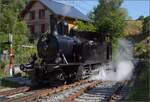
[(100, 94), (14, 82)]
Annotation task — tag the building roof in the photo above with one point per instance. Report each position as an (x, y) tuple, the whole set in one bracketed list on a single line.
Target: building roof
[(59, 9)]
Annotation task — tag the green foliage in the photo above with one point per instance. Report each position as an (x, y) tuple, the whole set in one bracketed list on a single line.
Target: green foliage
[(141, 17), (142, 48), (10, 22), (91, 14), (3, 39), (85, 26), (9, 17), (21, 54), (2, 74), (146, 25), (110, 18), (2, 64), (18, 5), (20, 28), (140, 92), (15, 5), (133, 28)]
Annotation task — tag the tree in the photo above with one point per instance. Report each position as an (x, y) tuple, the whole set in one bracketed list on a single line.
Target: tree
[(21, 54), (11, 23), (110, 18), (91, 15), (146, 25), (9, 17), (141, 17), (87, 26)]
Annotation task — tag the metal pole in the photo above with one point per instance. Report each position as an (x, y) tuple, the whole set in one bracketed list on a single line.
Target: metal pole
[(11, 54)]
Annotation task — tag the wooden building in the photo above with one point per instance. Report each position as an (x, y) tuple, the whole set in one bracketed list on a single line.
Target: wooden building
[(39, 15)]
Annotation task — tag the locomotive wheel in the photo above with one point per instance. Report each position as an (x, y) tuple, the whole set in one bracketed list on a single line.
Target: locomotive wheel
[(56, 77), (71, 78), (80, 73), (60, 76)]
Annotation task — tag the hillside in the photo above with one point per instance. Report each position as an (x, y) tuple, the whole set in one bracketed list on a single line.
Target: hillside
[(141, 42), (133, 27)]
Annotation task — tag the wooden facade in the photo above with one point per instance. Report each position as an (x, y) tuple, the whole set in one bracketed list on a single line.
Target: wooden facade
[(37, 18)]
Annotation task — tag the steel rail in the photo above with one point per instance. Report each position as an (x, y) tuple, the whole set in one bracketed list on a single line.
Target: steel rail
[(75, 95), (36, 94), (14, 91), (116, 92)]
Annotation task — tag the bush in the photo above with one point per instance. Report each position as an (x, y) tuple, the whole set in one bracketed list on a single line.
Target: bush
[(21, 54), (140, 92), (2, 64), (140, 48), (85, 26), (146, 25)]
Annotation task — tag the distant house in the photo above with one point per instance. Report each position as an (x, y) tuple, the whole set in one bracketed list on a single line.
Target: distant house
[(39, 15)]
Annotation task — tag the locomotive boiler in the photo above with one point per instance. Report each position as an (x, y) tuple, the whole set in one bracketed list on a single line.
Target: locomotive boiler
[(56, 48)]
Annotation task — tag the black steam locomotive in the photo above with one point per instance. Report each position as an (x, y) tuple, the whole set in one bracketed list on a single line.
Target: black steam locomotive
[(67, 58)]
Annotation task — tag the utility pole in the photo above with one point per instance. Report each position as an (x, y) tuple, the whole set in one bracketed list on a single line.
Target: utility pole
[(11, 55)]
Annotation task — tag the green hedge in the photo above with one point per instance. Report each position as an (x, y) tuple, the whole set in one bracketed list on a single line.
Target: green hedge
[(140, 92), (21, 54)]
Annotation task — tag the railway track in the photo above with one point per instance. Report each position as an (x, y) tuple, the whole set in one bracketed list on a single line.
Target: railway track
[(119, 93), (96, 91), (26, 94), (14, 91), (82, 91)]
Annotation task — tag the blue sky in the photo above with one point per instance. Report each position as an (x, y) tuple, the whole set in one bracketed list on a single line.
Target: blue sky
[(135, 7)]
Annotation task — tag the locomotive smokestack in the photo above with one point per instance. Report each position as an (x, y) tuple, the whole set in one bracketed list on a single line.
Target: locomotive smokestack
[(53, 24)]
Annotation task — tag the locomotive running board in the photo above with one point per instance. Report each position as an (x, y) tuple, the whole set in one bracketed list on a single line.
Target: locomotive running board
[(75, 64), (69, 64), (52, 67)]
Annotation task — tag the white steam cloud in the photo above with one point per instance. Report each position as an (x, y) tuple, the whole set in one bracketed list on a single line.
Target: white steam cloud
[(121, 67)]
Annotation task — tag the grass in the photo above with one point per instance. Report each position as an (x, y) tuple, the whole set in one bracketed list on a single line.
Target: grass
[(140, 92), (133, 28), (2, 74)]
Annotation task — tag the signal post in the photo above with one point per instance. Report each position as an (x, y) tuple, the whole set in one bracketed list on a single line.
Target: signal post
[(11, 55)]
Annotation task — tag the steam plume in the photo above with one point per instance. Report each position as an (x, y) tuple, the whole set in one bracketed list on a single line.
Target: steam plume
[(121, 67)]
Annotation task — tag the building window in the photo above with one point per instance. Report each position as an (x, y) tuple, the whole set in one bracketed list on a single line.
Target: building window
[(32, 29), (32, 15), (42, 28), (41, 14)]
